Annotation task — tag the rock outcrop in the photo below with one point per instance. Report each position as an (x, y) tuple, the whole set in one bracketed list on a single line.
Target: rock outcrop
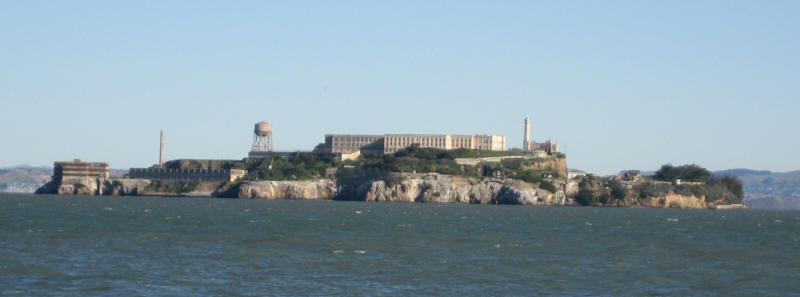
[(673, 200), (123, 186), (94, 186), (78, 186), (429, 188), (453, 189), (323, 189), (423, 188)]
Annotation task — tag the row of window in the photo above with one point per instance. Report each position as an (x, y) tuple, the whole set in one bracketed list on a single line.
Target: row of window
[(356, 140), (406, 141), (409, 140)]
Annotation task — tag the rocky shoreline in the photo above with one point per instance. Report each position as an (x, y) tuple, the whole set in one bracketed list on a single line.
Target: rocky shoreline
[(426, 188), (95, 186), (431, 188)]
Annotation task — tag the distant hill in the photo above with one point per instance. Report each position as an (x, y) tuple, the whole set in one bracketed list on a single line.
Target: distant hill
[(741, 172), (23, 179), (773, 203), (765, 189)]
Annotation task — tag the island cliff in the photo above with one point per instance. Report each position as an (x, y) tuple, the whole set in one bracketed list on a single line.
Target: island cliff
[(444, 177), (428, 188), (412, 188), (95, 186)]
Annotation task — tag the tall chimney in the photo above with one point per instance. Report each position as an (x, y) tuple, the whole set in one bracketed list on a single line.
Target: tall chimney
[(526, 142), (161, 150)]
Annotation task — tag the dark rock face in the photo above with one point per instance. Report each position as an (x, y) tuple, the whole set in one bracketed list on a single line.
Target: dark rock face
[(50, 187)]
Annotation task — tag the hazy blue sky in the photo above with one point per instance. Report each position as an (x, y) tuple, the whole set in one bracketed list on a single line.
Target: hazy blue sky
[(619, 85)]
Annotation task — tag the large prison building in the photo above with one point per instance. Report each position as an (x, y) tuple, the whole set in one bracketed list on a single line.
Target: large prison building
[(390, 143)]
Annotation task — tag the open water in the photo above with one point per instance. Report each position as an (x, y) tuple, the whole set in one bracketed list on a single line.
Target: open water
[(159, 246)]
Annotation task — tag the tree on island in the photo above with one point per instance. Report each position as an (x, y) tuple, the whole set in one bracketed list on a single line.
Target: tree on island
[(691, 172)]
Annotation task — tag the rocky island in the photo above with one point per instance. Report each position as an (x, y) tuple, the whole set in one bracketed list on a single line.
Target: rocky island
[(417, 174)]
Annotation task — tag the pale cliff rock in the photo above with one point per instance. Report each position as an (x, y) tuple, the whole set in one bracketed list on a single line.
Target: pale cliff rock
[(673, 200), (434, 188), (323, 189), (78, 186), (123, 186), (453, 189), (94, 186), (425, 188), (573, 187)]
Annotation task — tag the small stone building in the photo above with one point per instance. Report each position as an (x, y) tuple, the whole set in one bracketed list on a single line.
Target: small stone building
[(78, 168)]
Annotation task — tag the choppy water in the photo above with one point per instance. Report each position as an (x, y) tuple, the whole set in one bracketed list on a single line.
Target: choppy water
[(157, 246)]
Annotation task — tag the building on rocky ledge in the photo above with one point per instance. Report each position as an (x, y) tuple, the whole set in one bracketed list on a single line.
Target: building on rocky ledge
[(78, 168), (391, 143), (532, 147)]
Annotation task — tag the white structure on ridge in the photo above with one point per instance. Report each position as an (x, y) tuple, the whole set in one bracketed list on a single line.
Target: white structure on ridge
[(161, 150), (527, 145), (391, 143), (536, 149)]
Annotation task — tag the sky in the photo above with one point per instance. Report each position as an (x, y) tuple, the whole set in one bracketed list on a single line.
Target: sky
[(618, 84)]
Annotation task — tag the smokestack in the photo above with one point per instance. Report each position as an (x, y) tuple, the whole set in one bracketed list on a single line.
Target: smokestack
[(161, 150), (526, 142)]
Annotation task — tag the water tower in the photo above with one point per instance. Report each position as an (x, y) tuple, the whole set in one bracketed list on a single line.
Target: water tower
[(262, 138)]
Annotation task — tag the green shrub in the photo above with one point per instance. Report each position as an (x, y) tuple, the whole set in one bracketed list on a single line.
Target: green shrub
[(648, 189), (585, 197), (514, 164), (177, 187), (617, 190), (727, 189), (685, 172), (691, 190), (547, 186), (298, 166), (530, 176)]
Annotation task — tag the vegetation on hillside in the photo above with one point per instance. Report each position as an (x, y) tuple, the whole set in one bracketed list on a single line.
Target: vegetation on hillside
[(726, 188), (414, 159), (594, 190), (430, 160), (297, 166), (178, 187), (690, 173)]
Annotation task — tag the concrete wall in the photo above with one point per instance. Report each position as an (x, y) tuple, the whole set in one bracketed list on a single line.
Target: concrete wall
[(186, 174)]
